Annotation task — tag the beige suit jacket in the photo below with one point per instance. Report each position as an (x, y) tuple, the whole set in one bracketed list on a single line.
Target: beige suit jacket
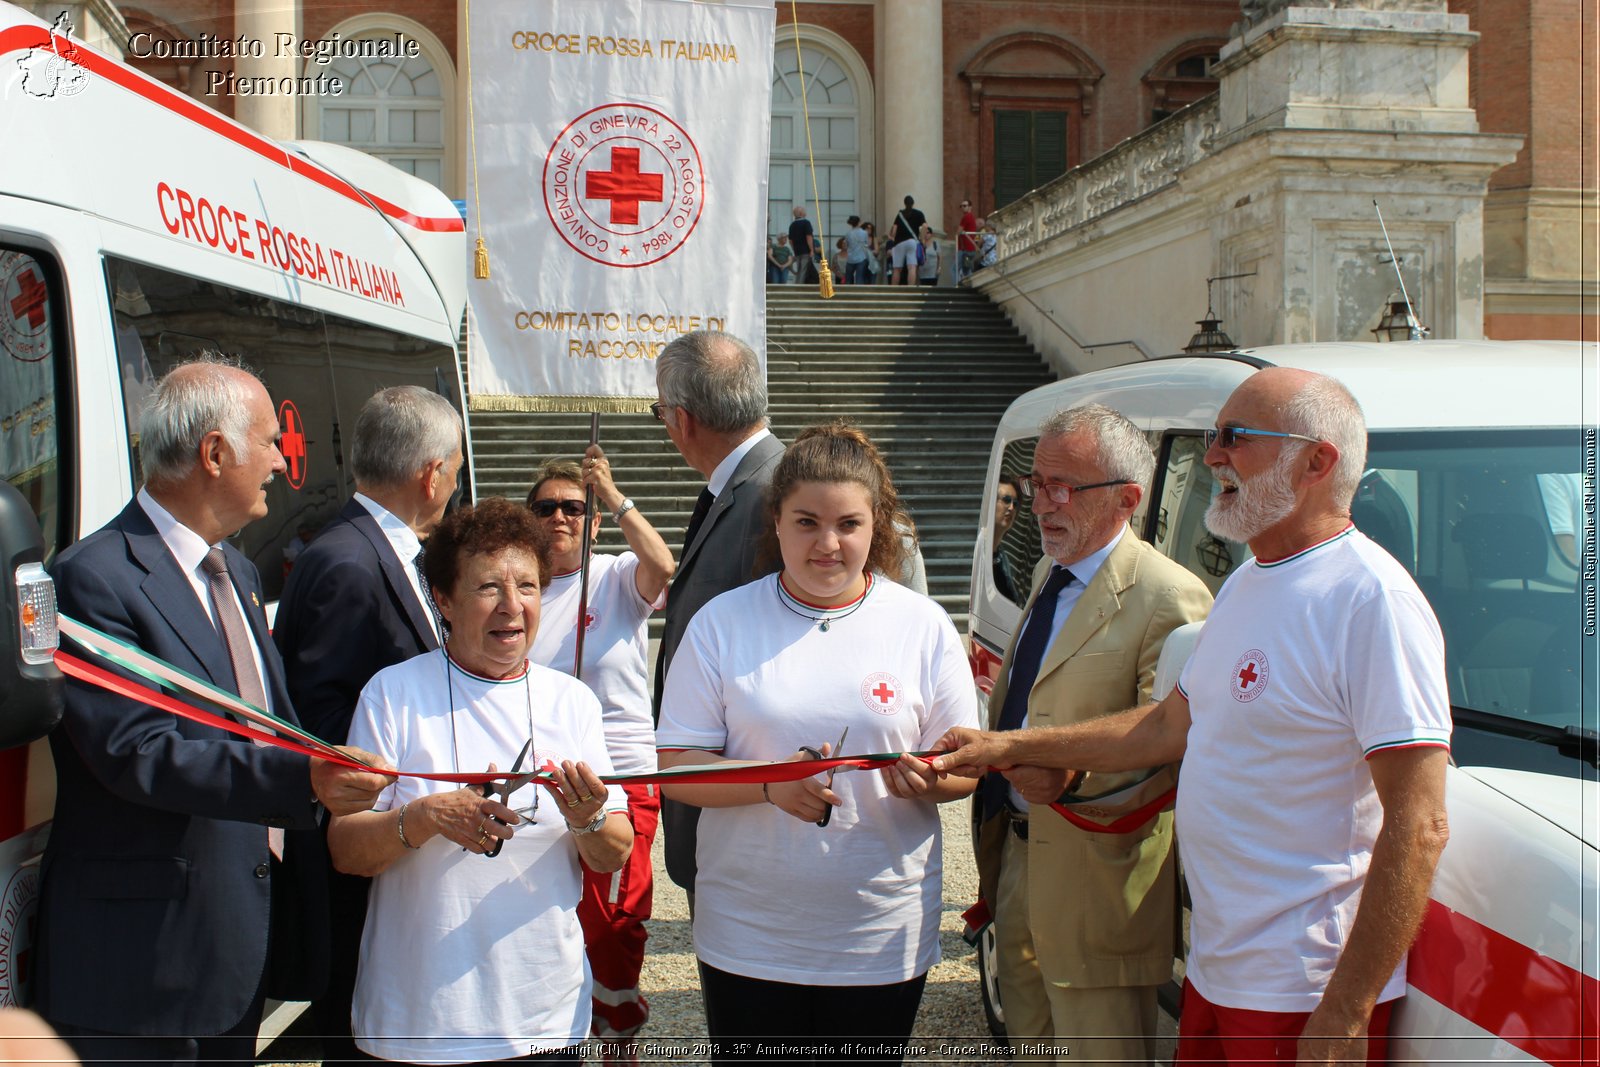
[(1104, 910)]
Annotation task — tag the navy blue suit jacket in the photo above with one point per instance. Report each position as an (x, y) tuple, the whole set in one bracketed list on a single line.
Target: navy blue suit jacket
[(158, 887), (347, 612)]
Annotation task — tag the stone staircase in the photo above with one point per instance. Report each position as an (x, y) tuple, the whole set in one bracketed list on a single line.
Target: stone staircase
[(927, 372)]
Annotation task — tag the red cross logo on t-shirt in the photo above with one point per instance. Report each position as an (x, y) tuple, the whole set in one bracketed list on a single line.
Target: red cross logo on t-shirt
[(1249, 679), (882, 692)]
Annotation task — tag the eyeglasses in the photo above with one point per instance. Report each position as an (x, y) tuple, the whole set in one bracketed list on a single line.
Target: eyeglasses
[(1228, 436), (657, 409), (1060, 494), (572, 509)]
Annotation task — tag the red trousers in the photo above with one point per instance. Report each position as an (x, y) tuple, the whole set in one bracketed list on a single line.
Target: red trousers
[(1240, 1037), (613, 910)]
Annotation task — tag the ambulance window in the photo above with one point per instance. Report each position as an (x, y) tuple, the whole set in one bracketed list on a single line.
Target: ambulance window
[(365, 358), (1177, 523), (1020, 549), (162, 319), (32, 331)]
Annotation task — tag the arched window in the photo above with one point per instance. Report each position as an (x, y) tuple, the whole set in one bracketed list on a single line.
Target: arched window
[(397, 108), (839, 127), (1181, 77)]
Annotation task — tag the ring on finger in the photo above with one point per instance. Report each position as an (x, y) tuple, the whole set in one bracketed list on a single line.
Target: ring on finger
[(572, 802), (585, 798)]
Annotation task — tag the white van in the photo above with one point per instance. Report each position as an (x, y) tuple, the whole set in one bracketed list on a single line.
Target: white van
[(138, 227), (1481, 481)]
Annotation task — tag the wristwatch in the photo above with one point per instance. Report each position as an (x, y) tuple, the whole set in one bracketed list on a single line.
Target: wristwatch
[(599, 821), (622, 509)]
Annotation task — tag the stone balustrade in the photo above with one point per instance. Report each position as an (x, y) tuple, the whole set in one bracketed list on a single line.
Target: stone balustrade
[(1139, 166)]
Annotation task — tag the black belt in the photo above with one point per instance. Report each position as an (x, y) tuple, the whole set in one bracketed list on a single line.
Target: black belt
[(1018, 821)]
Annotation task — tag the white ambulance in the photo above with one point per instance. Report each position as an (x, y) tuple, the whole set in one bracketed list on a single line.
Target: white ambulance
[(1481, 481), (138, 227)]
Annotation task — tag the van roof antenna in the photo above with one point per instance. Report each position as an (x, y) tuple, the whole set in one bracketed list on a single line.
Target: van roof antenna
[(1417, 330)]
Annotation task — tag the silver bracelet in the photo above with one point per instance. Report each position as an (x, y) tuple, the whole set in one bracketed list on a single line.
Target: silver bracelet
[(401, 826)]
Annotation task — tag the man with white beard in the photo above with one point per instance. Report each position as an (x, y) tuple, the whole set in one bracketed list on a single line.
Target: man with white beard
[(1314, 723)]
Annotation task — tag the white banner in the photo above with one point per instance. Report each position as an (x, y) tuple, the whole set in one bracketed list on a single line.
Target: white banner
[(621, 162)]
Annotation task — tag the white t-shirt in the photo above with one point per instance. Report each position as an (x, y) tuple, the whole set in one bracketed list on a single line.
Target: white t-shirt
[(856, 902), (1305, 667), (615, 649), (464, 957)]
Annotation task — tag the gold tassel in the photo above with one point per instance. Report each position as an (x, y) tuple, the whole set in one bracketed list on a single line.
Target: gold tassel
[(480, 261), (824, 279)]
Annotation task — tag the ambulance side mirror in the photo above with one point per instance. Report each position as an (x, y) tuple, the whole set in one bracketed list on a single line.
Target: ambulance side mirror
[(30, 682)]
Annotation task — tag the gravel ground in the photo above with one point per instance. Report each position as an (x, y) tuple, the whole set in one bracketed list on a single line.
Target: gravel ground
[(950, 1026)]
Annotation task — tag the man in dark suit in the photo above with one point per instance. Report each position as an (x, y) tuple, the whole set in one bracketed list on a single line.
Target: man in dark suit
[(354, 605), (713, 402), (168, 867)]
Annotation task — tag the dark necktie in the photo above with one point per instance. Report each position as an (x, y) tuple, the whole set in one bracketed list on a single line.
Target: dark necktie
[(702, 507), (427, 593), (247, 680), (1031, 647)]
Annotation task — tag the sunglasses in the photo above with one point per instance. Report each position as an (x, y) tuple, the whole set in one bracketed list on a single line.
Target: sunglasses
[(572, 509), (1007, 498), (656, 409), (1228, 436)]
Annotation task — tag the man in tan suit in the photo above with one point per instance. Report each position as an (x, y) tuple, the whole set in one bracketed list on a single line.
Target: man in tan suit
[(1085, 920)]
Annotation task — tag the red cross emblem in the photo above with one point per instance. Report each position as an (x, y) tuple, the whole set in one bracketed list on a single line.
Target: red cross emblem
[(29, 301), (1250, 674), (882, 692), (624, 185), (292, 443), (24, 309)]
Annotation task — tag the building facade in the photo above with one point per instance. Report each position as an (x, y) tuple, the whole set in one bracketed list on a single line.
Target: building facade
[(943, 100)]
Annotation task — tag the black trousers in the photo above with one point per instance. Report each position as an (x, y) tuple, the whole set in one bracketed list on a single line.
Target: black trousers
[(752, 1019), (236, 1046)]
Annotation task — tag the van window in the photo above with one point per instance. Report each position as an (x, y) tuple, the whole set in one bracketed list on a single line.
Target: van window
[(1183, 492), (1488, 521), (318, 369), (1020, 548), (32, 333)]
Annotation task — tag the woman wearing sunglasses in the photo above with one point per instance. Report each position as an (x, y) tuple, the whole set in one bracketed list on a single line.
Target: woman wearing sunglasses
[(817, 901), (623, 590)]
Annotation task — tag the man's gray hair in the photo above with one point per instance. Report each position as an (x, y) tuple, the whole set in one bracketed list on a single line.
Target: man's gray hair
[(191, 400), (1325, 409), (399, 431), (1123, 451), (716, 378)]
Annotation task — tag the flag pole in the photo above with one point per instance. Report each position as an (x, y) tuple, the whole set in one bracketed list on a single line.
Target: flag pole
[(588, 539)]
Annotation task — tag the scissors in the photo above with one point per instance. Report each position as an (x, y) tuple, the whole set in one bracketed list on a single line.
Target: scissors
[(511, 785), (838, 747)]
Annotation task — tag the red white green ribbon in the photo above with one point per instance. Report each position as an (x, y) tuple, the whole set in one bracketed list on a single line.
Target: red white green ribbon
[(252, 722)]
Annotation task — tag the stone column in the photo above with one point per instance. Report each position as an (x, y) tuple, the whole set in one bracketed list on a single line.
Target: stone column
[(911, 84), (262, 21)]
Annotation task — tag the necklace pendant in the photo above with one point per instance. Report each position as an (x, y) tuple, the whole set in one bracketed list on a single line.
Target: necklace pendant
[(824, 626)]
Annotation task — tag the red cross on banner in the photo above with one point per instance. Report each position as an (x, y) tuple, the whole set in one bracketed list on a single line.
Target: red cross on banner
[(624, 185)]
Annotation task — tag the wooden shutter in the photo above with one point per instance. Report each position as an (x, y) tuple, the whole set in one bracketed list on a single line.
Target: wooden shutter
[(1013, 155)]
